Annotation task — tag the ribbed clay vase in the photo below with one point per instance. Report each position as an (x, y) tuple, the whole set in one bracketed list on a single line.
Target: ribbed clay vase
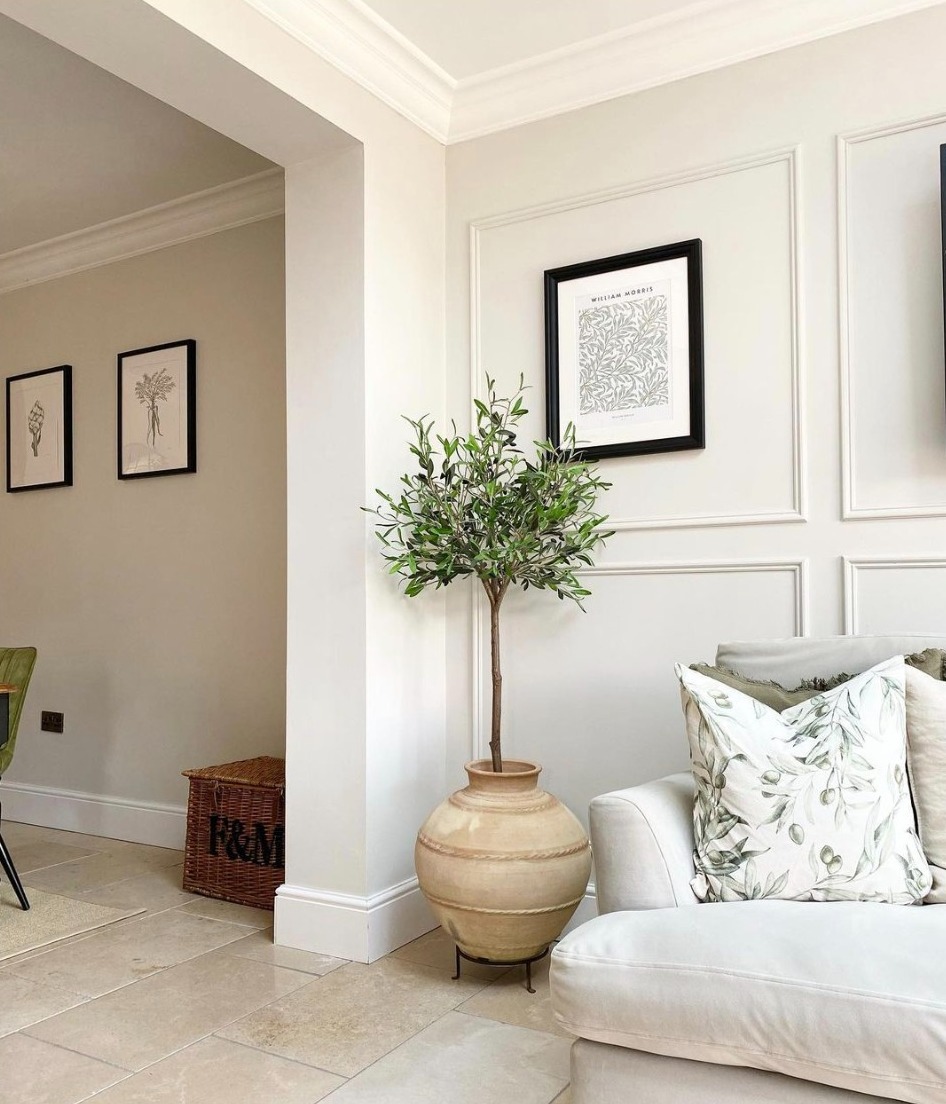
[(502, 863)]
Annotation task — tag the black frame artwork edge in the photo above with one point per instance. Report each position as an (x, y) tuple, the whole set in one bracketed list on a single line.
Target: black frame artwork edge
[(692, 250), (66, 481)]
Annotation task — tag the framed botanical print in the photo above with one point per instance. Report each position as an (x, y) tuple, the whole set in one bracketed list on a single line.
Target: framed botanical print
[(157, 410), (624, 352), (39, 429)]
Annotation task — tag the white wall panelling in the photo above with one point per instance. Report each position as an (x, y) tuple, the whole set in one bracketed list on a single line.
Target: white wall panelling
[(894, 595), (607, 675), (893, 409), (747, 212)]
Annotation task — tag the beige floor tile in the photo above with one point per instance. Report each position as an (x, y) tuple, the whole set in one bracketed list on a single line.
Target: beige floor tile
[(16, 833), (90, 873), (8, 963), (145, 852), (508, 1001), (56, 1076), (465, 1060), (157, 890), (124, 953), (234, 914), (436, 948), (214, 1071), (24, 1002), (352, 1017), (259, 947), (147, 1021), (39, 854)]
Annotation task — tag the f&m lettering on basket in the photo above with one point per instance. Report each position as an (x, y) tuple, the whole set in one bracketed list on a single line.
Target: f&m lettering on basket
[(238, 843), (236, 831)]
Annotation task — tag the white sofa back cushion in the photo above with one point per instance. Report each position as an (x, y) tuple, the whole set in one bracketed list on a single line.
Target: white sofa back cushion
[(800, 657), (926, 756)]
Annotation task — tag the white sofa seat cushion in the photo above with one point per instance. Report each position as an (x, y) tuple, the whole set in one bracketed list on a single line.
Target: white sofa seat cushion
[(845, 994)]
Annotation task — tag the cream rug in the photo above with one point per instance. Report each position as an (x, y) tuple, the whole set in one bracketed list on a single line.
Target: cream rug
[(49, 919)]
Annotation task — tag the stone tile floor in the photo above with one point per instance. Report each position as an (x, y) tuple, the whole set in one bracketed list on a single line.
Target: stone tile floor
[(191, 1002)]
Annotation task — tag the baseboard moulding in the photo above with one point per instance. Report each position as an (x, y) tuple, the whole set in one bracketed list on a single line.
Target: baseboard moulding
[(95, 814), (361, 929)]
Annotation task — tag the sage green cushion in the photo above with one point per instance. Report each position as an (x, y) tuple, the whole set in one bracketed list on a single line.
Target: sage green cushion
[(16, 669), (930, 661)]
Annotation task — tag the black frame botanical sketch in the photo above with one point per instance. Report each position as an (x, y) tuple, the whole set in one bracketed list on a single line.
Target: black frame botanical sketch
[(39, 429), (157, 410), (624, 352)]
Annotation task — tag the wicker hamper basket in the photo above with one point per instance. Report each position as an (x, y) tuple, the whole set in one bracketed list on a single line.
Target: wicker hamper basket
[(236, 831)]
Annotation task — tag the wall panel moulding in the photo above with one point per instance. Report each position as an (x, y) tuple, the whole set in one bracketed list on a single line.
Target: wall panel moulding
[(796, 568), (787, 160)]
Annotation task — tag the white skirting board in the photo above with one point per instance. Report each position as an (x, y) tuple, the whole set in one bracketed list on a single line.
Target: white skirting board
[(362, 929), (365, 929), (95, 814)]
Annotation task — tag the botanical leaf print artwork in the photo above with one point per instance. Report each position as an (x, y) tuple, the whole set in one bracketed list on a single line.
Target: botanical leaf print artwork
[(151, 390), (37, 417), (810, 804), (623, 358)]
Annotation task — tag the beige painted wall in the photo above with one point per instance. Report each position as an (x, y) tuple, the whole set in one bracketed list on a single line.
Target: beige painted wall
[(158, 606), (819, 504), (285, 102)]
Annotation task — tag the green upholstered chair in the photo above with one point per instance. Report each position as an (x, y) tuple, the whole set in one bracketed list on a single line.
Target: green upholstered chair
[(16, 669)]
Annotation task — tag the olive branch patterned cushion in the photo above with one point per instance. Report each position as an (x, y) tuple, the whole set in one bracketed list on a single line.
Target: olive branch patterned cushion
[(811, 804)]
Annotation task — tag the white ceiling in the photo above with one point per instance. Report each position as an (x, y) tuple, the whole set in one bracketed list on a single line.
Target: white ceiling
[(472, 37), (464, 68), (78, 146)]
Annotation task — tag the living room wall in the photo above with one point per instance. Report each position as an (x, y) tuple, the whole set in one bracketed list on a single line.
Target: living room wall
[(158, 606), (819, 503)]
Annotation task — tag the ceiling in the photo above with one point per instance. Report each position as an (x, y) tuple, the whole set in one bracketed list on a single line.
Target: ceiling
[(461, 69), (467, 39), (79, 147)]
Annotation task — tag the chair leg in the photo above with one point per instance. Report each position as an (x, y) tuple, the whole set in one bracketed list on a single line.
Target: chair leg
[(6, 862)]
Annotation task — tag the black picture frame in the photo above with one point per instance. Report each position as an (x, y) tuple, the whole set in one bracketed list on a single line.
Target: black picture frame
[(691, 252), (133, 461), (62, 446)]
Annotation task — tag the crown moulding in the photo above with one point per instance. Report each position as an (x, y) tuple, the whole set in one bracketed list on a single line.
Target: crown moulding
[(224, 207), (704, 35)]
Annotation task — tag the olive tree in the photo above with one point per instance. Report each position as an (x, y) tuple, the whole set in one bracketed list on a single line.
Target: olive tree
[(475, 506)]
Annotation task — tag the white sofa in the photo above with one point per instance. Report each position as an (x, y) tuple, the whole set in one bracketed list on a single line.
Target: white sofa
[(771, 1002)]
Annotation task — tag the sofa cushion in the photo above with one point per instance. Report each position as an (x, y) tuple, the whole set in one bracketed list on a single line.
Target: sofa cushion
[(790, 661), (926, 758), (931, 661), (848, 994), (808, 804)]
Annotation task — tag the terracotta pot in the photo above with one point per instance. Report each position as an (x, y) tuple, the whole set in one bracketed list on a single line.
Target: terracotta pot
[(502, 863)]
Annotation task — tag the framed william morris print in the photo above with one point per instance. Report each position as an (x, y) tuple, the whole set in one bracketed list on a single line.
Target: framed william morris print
[(157, 410), (624, 352), (39, 429)]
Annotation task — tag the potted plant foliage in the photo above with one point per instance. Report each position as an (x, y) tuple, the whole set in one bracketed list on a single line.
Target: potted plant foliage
[(502, 863)]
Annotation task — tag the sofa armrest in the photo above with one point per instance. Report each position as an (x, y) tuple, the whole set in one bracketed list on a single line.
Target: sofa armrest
[(642, 840)]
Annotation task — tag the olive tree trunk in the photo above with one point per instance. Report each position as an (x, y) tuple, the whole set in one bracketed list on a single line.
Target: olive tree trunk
[(495, 591)]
